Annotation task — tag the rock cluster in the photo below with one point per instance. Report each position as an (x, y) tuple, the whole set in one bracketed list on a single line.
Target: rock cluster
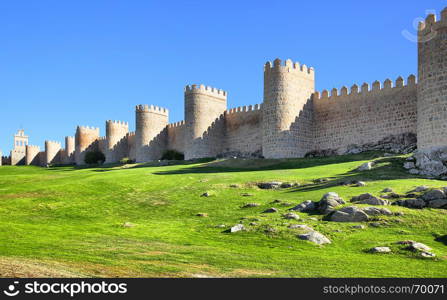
[(436, 198)]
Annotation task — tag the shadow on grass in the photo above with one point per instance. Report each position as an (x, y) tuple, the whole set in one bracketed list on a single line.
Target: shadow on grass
[(234, 165)]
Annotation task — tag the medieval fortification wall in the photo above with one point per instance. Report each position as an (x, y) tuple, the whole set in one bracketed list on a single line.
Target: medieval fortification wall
[(293, 119)]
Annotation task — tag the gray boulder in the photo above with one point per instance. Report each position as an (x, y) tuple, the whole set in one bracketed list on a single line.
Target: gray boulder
[(349, 214), (270, 210), (237, 227), (409, 165), (366, 166), (421, 188), (305, 206), (437, 203), (414, 172), (380, 250), (291, 216), (387, 190), (375, 211), (269, 185), (433, 194), (411, 203), (249, 205), (415, 246), (329, 201), (369, 199), (300, 226), (315, 237)]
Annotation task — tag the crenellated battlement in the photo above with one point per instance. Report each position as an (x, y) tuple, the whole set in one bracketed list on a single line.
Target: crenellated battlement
[(176, 124), (88, 129), (290, 66), (377, 86), (55, 143), (34, 147), (245, 108), (431, 24), (152, 109), (131, 133), (117, 123), (208, 90)]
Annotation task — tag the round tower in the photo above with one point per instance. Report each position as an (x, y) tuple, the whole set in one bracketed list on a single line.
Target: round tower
[(203, 105), (32, 155), (115, 132), (151, 121), (287, 89), (52, 150), (432, 85), (69, 149), (85, 140)]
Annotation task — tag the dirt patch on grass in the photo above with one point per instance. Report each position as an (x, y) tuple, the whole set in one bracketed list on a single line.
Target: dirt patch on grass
[(27, 268)]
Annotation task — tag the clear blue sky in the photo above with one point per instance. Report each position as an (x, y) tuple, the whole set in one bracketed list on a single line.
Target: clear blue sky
[(68, 63)]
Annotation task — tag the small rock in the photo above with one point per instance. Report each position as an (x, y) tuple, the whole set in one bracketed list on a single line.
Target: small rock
[(276, 201), (421, 188), (286, 185), (411, 195), (315, 237), (236, 228), (300, 226), (305, 206), (387, 190), (234, 185), (414, 171), (409, 165), (365, 167), (358, 227), (249, 205), (128, 225), (202, 215), (286, 204), (247, 195), (221, 226), (399, 214), (415, 246), (394, 195), (206, 194), (369, 199), (270, 210), (329, 201), (253, 224), (375, 224), (360, 184), (291, 216), (427, 254), (313, 219), (375, 211), (270, 229), (349, 214), (380, 250), (269, 185), (321, 180)]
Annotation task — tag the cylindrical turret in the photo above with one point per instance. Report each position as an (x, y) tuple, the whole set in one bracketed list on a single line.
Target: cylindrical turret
[(287, 89), (32, 155), (203, 105), (115, 132), (52, 151), (85, 140), (69, 149), (151, 121), (432, 83)]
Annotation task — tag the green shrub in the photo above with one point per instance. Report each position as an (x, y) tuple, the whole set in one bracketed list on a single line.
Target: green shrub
[(126, 160), (94, 157), (172, 155)]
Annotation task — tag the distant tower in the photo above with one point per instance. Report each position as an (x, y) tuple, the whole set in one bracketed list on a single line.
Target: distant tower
[(115, 132), (52, 152), (32, 155), (287, 89), (85, 140), (203, 105), (151, 121), (432, 85), (69, 150), (18, 153)]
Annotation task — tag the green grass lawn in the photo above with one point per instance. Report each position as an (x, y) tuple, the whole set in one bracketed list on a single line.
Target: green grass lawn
[(68, 221)]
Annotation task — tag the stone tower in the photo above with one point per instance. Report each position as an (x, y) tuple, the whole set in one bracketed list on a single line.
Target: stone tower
[(18, 153), (32, 155), (69, 149), (115, 132), (203, 105), (52, 152), (150, 124), (432, 86), (287, 89), (85, 140)]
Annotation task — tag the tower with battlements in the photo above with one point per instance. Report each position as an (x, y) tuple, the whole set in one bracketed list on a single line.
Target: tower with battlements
[(85, 140), (203, 107), (18, 153)]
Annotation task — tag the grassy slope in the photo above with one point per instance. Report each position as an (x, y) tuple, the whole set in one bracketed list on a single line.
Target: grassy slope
[(69, 221)]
